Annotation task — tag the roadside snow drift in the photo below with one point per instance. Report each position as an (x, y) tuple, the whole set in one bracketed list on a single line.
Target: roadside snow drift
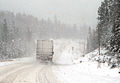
[(86, 72), (66, 51)]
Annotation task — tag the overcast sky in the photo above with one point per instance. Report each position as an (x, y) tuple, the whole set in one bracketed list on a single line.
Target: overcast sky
[(69, 11)]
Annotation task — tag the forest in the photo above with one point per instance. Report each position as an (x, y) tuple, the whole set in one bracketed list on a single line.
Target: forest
[(18, 33), (107, 33)]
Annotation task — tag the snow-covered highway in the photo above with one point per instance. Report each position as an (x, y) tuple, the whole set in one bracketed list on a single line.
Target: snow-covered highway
[(30, 72), (35, 72), (68, 67)]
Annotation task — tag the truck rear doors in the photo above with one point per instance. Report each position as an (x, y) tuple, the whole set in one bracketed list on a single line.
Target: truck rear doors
[(44, 50)]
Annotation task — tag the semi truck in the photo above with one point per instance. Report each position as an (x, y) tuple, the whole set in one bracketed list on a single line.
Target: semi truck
[(44, 50)]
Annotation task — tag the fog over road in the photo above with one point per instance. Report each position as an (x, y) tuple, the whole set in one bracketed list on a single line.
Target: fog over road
[(29, 72)]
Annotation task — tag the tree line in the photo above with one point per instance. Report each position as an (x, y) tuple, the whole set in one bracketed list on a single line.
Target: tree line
[(108, 30), (18, 33)]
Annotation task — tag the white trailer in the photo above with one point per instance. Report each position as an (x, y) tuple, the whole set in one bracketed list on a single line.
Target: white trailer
[(44, 50)]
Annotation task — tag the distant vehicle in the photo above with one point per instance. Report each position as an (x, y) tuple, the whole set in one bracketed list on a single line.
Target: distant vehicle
[(44, 50)]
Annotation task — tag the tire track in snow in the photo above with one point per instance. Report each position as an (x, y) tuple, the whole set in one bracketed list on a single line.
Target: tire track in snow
[(28, 73), (8, 68), (11, 76), (46, 75)]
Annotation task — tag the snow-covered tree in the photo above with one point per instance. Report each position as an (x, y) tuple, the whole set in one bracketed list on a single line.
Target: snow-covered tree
[(109, 27), (92, 40), (115, 39), (104, 25), (19, 31)]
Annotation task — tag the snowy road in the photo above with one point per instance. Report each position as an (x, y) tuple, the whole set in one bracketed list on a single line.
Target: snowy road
[(27, 73), (69, 70), (34, 72)]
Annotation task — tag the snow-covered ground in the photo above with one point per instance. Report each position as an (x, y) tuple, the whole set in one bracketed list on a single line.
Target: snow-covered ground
[(17, 60), (95, 54), (69, 67), (87, 72), (77, 69), (66, 51)]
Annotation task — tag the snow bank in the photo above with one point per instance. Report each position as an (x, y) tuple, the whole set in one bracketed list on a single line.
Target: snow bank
[(66, 51), (94, 55), (87, 72), (17, 60)]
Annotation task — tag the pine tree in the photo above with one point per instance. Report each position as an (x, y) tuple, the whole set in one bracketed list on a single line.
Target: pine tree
[(109, 27), (5, 32), (115, 39), (92, 42), (89, 40), (104, 22), (4, 38)]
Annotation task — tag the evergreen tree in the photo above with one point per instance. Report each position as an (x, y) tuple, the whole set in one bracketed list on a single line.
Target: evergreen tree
[(4, 39), (92, 42), (104, 22), (109, 28), (115, 39), (5, 32)]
